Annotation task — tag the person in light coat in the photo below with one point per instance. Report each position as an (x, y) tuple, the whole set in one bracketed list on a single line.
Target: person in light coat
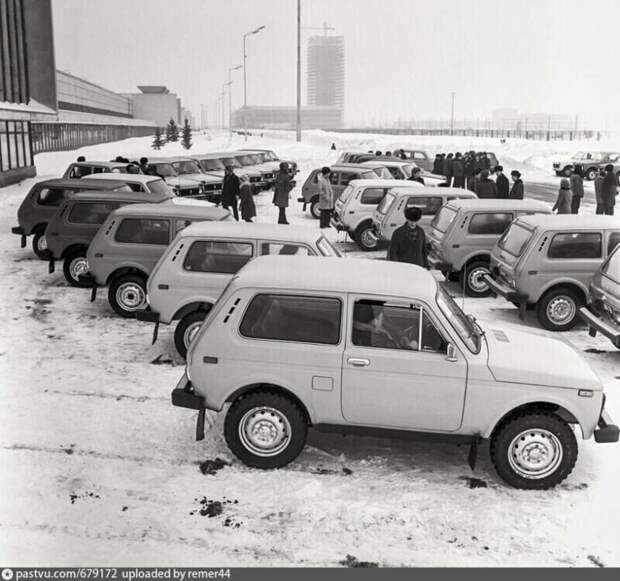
[(246, 199), (563, 203), (326, 197)]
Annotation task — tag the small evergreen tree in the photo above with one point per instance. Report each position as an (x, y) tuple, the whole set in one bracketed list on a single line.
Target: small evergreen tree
[(158, 142), (172, 131), (186, 139)]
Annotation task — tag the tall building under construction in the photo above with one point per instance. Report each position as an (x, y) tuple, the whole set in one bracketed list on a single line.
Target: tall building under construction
[(325, 71)]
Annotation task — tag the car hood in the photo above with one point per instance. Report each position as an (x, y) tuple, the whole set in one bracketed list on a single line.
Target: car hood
[(201, 177), (532, 358), (182, 182)]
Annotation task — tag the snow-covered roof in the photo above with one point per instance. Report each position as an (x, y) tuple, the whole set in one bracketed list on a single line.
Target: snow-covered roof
[(571, 221), (174, 211), (496, 204), (277, 232)]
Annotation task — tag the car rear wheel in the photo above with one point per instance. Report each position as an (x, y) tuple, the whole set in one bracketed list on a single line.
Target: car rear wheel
[(127, 294), (558, 310), (534, 451), (471, 277), (186, 330), (314, 208), (39, 245), (265, 430), (73, 266), (591, 173), (364, 237)]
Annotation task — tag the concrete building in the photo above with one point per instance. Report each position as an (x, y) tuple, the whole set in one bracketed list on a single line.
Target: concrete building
[(157, 104), (285, 117), (325, 71)]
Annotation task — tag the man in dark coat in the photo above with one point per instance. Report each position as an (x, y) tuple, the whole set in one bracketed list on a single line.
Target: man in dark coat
[(447, 169), (230, 191), (609, 190), (458, 171), (469, 168), (502, 183), (486, 188), (576, 186), (416, 176), (516, 192), (408, 242), (281, 192), (438, 164)]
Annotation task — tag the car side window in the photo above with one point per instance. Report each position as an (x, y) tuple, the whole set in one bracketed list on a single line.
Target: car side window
[(136, 187), (614, 240), (334, 178), (372, 196), (493, 224), (143, 231), (395, 172), (428, 204), (301, 319), (50, 197), (379, 324), (91, 212), (98, 169), (217, 257), (576, 245), (283, 248)]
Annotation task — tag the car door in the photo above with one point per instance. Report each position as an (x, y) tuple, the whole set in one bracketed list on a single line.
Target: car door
[(395, 371), (141, 241)]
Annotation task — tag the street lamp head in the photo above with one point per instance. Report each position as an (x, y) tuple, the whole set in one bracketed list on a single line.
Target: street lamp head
[(257, 30), (237, 68)]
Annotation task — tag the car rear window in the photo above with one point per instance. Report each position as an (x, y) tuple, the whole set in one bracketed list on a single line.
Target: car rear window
[(428, 204), (91, 212), (218, 257), (159, 187), (611, 269), (143, 231), (301, 319), (515, 239), (386, 203), (443, 219), (493, 224), (285, 248), (576, 245), (372, 196)]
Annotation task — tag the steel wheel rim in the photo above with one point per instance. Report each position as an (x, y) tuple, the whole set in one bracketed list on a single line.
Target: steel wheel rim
[(78, 266), (316, 211), (561, 310), (264, 431), (367, 239), (535, 454), (190, 333), (475, 282), (42, 244), (131, 296)]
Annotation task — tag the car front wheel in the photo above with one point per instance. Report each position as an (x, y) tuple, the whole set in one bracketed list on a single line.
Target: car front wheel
[(127, 294), (534, 451), (472, 279), (365, 238), (314, 208), (186, 330), (265, 430), (73, 266), (558, 309)]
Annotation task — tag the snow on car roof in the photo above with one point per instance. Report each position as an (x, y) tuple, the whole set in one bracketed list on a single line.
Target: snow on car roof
[(124, 178), (107, 195), (352, 275), (277, 232), (571, 221), (405, 189), (115, 180), (382, 183), (174, 210), (497, 204)]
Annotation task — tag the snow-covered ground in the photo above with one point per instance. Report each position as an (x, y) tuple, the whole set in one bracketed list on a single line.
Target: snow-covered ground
[(97, 467)]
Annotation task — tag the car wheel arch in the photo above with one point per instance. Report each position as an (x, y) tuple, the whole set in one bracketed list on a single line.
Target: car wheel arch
[(77, 247), (475, 257), (572, 285), (126, 270), (193, 307), (39, 228)]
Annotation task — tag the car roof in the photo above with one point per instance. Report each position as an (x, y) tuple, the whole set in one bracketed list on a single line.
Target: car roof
[(357, 166), (404, 190), (173, 210), (109, 164), (382, 183), (114, 181), (495, 204), (130, 177), (181, 158), (278, 232), (123, 195), (160, 160), (209, 156), (570, 221), (352, 275), (384, 162)]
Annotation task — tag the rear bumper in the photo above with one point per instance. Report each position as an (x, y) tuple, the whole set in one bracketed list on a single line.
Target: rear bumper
[(436, 263), (183, 396), (88, 280), (337, 224), (599, 325), (147, 316), (18, 230), (500, 289), (606, 432)]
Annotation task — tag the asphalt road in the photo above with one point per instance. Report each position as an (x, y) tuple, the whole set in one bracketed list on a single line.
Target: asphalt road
[(546, 192)]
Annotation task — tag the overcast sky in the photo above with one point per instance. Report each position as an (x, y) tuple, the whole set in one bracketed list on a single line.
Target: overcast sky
[(403, 57)]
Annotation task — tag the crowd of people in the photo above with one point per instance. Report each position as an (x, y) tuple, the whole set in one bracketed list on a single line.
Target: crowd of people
[(571, 192)]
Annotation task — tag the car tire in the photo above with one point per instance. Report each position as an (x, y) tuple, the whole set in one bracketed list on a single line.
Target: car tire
[(314, 208), (534, 451), (470, 279), (558, 309), (73, 265), (591, 173), (363, 239), (39, 245), (282, 424), (127, 294), (186, 329)]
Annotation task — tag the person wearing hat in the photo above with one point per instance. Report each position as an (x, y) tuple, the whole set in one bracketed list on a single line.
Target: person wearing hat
[(230, 191), (609, 190), (502, 183), (516, 192), (326, 197), (564, 200), (486, 188), (458, 171), (246, 199), (576, 186), (416, 175), (281, 192)]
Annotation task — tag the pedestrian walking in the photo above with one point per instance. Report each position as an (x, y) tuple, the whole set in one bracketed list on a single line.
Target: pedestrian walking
[(281, 192), (576, 186), (563, 203), (408, 242), (447, 169), (416, 175), (609, 190), (458, 171), (486, 188), (247, 207), (438, 164), (598, 191), (502, 183), (230, 191), (326, 197), (517, 190)]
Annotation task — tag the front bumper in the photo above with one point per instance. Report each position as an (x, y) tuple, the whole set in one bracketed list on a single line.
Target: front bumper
[(336, 223), (436, 263), (500, 289), (183, 396), (19, 231), (599, 325), (148, 316), (88, 280), (606, 432)]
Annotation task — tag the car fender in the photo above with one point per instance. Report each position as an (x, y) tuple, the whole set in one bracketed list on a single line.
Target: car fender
[(563, 281), (122, 268), (473, 255)]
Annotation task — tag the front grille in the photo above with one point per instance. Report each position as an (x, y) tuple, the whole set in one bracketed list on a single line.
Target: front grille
[(268, 176), (254, 180), (212, 187), (189, 192)]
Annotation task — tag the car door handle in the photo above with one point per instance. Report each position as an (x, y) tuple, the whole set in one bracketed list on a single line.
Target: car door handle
[(358, 362)]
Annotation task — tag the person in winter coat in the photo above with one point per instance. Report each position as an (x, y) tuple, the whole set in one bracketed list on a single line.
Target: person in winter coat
[(326, 197), (563, 204), (230, 191), (516, 192), (438, 164), (576, 186), (333, 147), (609, 190), (402, 155), (458, 171), (408, 242), (246, 199), (447, 169), (486, 188), (502, 183), (281, 192), (598, 191), (416, 176), (469, 167)]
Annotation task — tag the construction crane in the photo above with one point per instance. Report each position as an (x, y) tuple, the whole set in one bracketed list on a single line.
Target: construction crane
[(324, 28)]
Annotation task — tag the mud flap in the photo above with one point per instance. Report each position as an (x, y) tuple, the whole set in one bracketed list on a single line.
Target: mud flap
[(51, 266), (200, 425), (522, 309), (23, 241), (93, 293), (155, 332), (472, 457)]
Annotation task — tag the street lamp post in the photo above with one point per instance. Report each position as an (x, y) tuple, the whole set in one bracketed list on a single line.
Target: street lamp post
[(223, 97), (452, 115), (298, 119), (230, 96), (245, 82)]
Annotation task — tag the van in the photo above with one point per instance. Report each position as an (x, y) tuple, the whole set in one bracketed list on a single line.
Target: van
[(463, 233), (547, 263), (195, 269), (382, 349)]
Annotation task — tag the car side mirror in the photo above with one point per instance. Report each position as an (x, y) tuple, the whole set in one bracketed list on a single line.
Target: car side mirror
[(451, 353)]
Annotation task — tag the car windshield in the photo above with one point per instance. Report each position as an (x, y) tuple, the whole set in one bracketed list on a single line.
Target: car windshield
[(165, 170), (408, 168), (159, 187), (443, 218), (270, 156), (515, 239), (186, 167), (326, 248), (212, 165), (383, 173), (386, 203), (611, 269), (245, 160), (346, 194), (371, 175), (257, 158), (459, 320), (232, 161)]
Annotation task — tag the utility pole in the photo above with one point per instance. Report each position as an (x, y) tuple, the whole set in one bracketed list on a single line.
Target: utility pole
[(298, 121), (452, 115), (230, 96)]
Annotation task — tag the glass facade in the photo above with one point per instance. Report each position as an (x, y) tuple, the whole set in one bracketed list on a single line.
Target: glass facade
[(15, 148)]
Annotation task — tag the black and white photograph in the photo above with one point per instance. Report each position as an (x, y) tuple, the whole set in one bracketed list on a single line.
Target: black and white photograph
[(311, 284)]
